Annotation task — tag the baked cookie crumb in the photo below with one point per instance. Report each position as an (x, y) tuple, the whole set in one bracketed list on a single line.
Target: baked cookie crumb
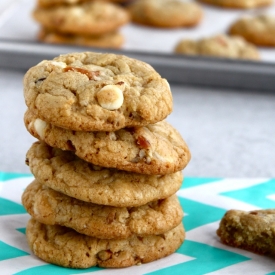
[(252, 230)]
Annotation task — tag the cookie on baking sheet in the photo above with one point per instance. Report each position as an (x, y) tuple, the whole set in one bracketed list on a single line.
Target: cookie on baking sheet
[(88, 18), (65, 247), (259, 30), (97, 92), (154, 149), (219, 46), (166, 13), (54, 208), (250, 230), (113, 40), (239, 4), (50, 3), (63, 171)]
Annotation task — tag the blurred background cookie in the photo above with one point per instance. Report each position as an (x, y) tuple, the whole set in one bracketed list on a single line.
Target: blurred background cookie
[(89, 18), (107, 40), (259, 30), (50, 3), (166, 13), (239, 4), (218, 46)]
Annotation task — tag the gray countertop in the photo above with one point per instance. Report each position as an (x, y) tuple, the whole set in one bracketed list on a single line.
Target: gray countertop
[(230, 133)]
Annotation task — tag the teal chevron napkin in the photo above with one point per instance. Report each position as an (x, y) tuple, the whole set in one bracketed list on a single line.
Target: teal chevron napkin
[(204, 200)]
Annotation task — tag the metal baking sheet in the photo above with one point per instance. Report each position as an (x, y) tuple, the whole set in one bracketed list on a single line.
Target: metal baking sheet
[(19, 49)]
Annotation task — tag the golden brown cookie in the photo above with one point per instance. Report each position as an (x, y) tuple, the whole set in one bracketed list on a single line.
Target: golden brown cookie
[(97, 92), (51, 3), (63, 171), (166, 13), (259, 30), (106, 222), (219, 46), (88, 18), (113, 40), (253, 230), (239, 4), (154, 149), (65, 247)]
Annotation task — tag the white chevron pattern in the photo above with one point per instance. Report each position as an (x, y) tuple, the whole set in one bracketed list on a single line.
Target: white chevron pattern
[(206, 193)]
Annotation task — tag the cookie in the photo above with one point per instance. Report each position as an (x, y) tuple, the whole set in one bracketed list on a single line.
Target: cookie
[(106, 222), (259, 30), (113, 40), (97, 92), (219, 46), (154, 149), (63, 171), (165, 13), (65, 247), (253, 230), (88, 18), (51, 3), (240, 4)]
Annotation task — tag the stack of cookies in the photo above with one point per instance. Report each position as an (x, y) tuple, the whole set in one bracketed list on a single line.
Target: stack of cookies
[(107, 165), (81, 22)]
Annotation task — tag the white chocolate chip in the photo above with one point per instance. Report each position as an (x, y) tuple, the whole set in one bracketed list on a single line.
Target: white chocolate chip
[(77, 11), (112, 136), (40, 126), (59, 64), (110, 97), (55, 63), (162, 158)]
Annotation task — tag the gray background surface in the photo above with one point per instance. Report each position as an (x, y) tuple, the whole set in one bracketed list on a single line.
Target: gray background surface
[(230, 133)]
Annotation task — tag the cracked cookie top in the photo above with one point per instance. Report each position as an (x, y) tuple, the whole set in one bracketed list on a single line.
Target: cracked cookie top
[(96, 92), (107, 222), (88, 18), (154, 149), (63, 171)]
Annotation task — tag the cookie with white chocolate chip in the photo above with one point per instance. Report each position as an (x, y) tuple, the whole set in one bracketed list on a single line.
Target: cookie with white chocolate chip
[(259, 30), (154, 149), (166, 13), (70, 92), (250, 230), (105, 222), (88, 18), (63, 171), (66, 247)]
